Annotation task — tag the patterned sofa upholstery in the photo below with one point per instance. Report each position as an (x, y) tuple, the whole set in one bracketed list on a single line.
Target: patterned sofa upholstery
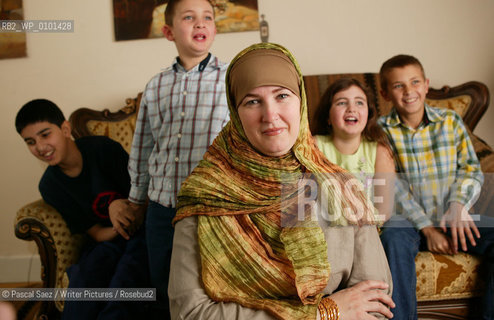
[(446, 285)]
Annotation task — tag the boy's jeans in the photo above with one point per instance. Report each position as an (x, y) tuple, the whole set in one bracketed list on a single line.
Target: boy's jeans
[(159, 239), (401, 242)]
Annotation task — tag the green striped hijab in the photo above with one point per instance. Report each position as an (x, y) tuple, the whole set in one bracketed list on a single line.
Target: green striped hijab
[(254, 250)]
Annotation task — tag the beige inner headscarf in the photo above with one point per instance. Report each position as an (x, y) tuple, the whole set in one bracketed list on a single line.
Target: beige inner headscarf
[(262, 68), (243, 200)]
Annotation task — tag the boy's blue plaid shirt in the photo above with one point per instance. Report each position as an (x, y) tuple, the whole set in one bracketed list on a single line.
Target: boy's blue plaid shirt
[(437, 161), (181, 113)]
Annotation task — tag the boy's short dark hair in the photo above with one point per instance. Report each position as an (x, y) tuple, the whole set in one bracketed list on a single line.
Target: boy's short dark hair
[(38, 110), (170, 11), (398, 61)]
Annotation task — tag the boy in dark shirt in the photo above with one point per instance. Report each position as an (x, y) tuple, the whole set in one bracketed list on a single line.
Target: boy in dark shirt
[(83, 177)]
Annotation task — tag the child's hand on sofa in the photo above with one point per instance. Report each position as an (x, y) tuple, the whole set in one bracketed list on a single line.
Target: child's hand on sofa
[(461, 225)]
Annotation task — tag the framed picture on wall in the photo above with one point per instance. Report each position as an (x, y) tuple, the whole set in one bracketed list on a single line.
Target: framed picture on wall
[(12, 44), (144, 19)]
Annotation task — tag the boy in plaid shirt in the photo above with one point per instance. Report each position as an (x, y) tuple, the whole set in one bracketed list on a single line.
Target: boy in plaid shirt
[(440, 181), (182, 110)]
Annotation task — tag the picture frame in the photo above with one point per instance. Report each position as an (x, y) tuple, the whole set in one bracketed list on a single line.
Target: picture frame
[(12, 44), (145, 19)]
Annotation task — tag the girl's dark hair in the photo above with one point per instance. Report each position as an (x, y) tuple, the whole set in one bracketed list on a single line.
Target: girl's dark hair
[(37, 111), (372, 130)]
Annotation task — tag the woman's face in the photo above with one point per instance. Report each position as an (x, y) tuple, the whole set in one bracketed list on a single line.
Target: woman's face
[(270, 116), (349, 112)]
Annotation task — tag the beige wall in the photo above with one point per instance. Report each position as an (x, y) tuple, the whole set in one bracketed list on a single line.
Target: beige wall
[(87, 68)]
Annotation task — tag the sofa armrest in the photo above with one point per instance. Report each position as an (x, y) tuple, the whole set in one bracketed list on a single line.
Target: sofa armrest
[(58, 248)]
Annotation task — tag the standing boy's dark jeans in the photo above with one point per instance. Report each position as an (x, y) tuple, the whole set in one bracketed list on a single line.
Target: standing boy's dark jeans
[(401, 242), (159, 239)]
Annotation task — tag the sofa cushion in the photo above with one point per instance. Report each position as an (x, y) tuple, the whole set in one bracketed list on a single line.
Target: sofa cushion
[(459, 104), (441, 276), (119, 125), (120, 131)]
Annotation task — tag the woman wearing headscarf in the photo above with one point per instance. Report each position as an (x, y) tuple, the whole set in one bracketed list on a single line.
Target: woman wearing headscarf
[(248, 244)]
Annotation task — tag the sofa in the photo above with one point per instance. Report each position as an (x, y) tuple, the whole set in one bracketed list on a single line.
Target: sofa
[(448, 287)]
